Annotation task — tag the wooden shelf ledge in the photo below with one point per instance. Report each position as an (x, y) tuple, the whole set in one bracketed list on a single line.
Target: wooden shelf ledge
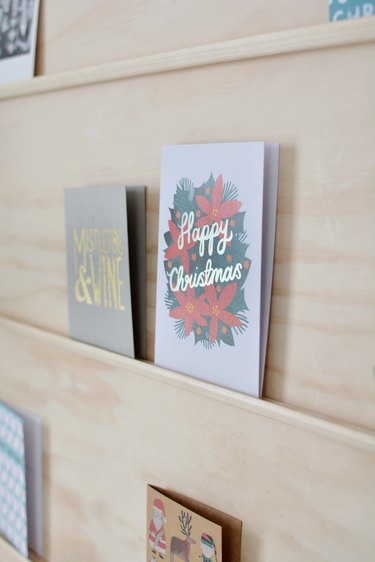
[(9, 554), (338, 34), (350, 435)]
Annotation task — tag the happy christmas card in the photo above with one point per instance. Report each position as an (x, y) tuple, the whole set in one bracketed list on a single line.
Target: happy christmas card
[(106, 267), (180, 528), (217, 223)]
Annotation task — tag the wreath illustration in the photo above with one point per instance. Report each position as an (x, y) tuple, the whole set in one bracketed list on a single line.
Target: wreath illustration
[(205, 262)]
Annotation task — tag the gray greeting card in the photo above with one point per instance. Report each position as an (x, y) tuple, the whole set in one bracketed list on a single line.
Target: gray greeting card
[(105, 248)]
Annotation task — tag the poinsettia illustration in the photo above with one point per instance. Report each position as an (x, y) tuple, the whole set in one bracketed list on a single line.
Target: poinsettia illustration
[(191, 309), (217, 308), (216, 210), (174, 251), (219, 312)]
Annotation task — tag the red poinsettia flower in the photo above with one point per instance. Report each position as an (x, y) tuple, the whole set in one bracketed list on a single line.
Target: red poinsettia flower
[(191, 309), (217, 210), (217, 308), (174, 251)]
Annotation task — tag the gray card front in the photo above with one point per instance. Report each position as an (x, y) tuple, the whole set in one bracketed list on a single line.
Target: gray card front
[(100, 311)]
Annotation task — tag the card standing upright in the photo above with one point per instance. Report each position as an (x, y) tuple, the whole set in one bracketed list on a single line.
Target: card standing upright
[(18, 39), (217, 223), (106, 267), (13, 503)]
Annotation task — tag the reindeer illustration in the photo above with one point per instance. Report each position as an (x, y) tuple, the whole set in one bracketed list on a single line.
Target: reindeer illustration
[(180, 547)]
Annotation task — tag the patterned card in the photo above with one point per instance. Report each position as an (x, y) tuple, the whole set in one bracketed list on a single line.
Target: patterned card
[(32, 425), (350, 9), (13, 518), (18, 34), (215, 260), (105, 241), (179, 528)]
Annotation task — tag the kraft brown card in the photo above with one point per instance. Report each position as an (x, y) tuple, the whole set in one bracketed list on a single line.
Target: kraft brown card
[(180, 528)]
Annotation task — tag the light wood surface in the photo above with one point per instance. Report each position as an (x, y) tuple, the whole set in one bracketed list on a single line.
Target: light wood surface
[(297, 40), (113, 424), (8, 553), (89, 32), (320, 354), (345, 434), (298, 467)]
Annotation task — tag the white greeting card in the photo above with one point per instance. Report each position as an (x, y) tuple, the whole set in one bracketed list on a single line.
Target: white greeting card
[(215, 258)]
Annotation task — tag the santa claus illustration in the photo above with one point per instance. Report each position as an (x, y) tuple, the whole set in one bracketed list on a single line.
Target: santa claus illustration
[(157, 532)]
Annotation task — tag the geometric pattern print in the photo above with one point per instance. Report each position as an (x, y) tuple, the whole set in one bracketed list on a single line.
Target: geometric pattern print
[(13, 517)]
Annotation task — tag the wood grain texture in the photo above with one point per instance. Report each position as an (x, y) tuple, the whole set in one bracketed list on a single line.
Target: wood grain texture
[(8, 553), (320, 355), (297, 40), (346, 434), (111, 428), (89, 32)]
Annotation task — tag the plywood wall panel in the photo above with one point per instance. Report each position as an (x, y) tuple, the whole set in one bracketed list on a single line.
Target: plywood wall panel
[(90, 32), (322, 325), (112, 425), (8, 553)]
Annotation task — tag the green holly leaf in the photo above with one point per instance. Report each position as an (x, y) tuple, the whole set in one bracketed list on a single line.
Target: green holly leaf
[(238, 251), (239, 220), (238, 303), (170, 300), (168, 238), (226, 337), (244, 274), (200, 333), (182, 201)]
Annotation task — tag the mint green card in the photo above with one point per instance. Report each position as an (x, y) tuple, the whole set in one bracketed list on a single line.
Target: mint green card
[(350, 9)]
